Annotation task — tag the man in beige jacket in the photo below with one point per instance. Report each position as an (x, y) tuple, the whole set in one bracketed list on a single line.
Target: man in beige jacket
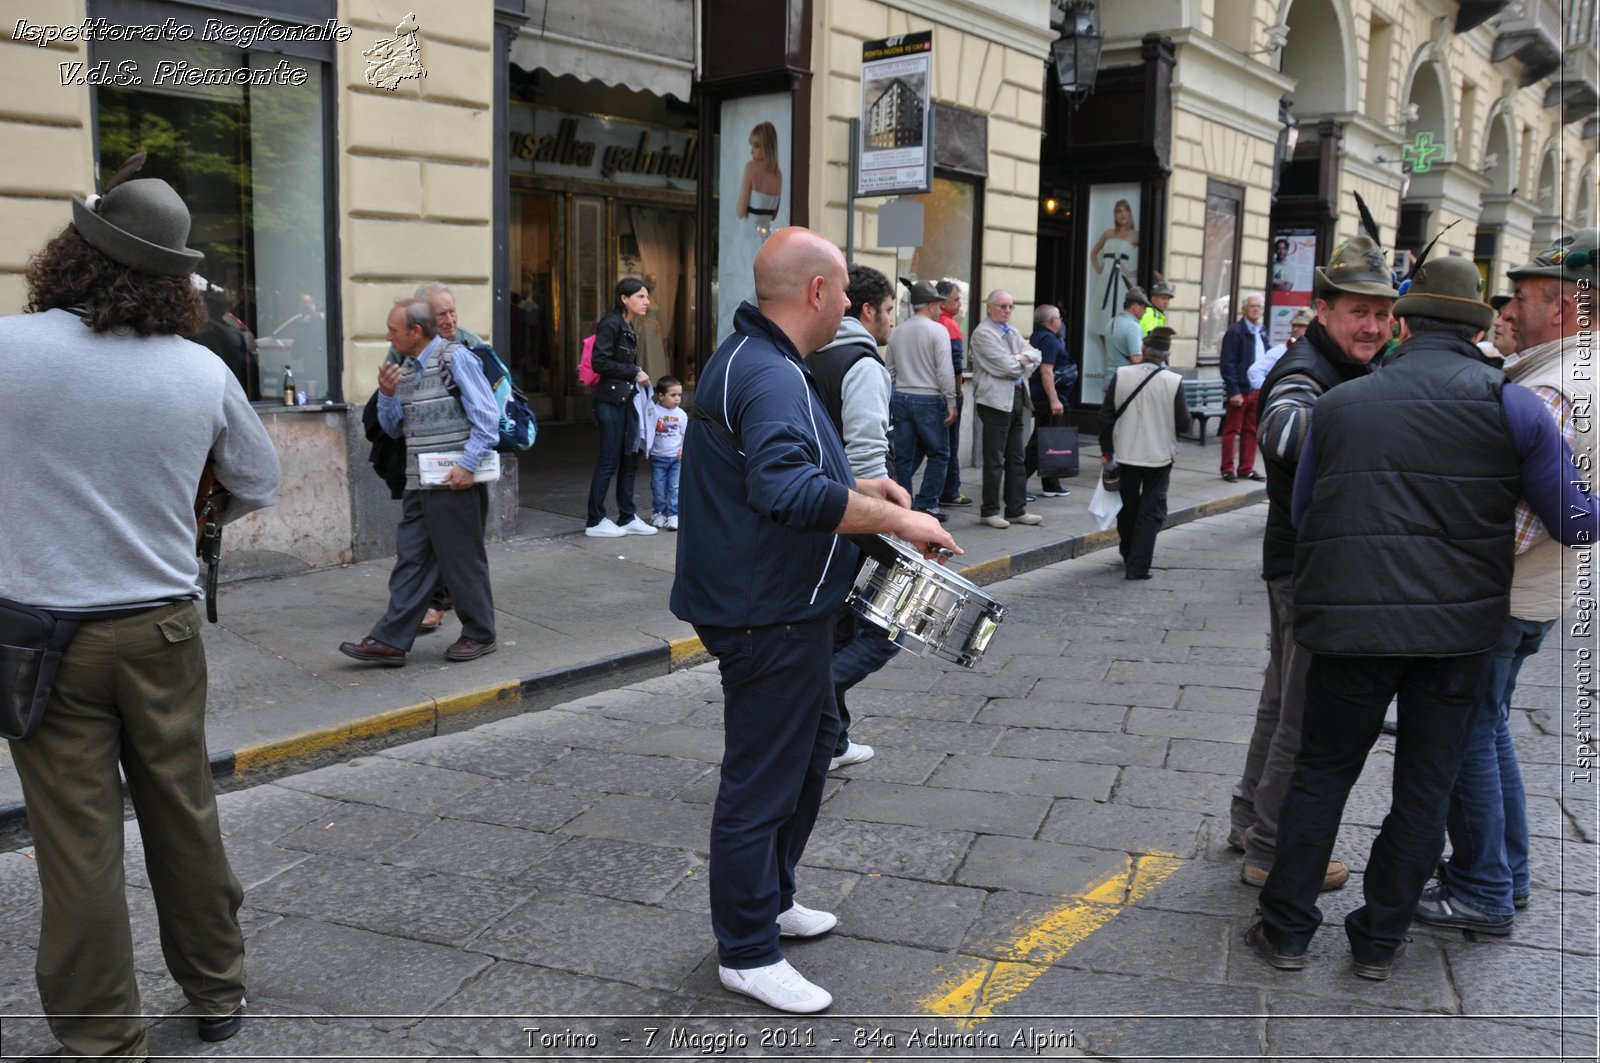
[(1001, 362), (1486, 878)]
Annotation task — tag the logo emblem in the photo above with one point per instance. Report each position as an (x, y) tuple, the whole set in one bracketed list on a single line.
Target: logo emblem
[(394, 59)]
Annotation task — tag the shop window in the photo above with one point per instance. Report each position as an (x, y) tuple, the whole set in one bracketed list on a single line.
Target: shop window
[(1219, 268), (249, 160), (950, 234), (535, 288)]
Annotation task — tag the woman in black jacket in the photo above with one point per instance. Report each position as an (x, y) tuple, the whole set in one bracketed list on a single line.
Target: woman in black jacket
[(615, 358)]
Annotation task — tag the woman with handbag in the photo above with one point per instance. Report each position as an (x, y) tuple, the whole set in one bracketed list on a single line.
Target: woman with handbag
[(1141, 433), (616, 359)]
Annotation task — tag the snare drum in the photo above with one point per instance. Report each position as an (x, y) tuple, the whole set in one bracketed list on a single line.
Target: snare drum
[(921, 606)]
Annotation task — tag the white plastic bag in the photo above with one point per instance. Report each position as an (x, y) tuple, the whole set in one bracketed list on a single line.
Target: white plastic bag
[(1104, 506)]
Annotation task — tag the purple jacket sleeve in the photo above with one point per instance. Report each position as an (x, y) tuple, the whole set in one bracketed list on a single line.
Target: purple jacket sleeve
[(1551, 482), (1305, 478)]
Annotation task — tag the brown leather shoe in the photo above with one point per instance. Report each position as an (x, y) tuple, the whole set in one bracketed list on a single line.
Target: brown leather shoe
[(371, 651), (1336, 876), (431, 621), (465, 649)]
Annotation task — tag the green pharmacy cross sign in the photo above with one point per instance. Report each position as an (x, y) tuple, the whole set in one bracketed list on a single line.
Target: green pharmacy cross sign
[(1421, 152)]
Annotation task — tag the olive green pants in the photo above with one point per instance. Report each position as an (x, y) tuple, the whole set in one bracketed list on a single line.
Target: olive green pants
[(130, 691)]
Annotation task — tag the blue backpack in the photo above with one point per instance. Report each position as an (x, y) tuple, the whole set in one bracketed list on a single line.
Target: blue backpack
[(519, 425)]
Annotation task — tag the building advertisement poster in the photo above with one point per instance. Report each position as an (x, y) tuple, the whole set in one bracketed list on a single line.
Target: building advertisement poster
[(752, 194), (896, 116), (1113, 266), (1294, 261)]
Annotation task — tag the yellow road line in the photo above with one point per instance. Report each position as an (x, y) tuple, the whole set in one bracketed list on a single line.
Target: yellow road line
[(973, 997)]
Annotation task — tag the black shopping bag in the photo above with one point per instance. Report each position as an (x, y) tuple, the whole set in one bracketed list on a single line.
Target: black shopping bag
[(1058, 452)]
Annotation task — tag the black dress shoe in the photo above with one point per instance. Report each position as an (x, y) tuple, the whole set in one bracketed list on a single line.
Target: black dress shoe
[(1230, 477), (220, 1029), (1379, 972), (1439, 907), (371, 651), (1256, 476), (465, 649), (1256, 938)]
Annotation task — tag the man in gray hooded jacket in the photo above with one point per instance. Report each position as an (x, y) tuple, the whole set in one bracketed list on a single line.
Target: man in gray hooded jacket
[(856, 388)]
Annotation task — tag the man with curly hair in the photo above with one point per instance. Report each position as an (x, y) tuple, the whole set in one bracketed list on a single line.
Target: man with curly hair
[(105, 535)]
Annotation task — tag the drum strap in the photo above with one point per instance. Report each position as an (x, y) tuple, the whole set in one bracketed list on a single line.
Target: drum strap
[(697, 413)]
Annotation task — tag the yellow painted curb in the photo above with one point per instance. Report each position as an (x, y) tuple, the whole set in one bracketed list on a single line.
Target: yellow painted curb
[(686, 652), (996, 568), (474, 699), (254, 758)]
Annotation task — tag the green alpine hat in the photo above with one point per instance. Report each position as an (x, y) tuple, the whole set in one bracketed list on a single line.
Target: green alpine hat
[(1447, 288), (1571, 259), (1357, 267)]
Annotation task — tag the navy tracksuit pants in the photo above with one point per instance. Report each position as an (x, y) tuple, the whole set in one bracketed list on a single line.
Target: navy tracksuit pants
[(780, 725)]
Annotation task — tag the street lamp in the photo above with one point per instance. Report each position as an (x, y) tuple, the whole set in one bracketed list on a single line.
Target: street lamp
[(1076, 53)]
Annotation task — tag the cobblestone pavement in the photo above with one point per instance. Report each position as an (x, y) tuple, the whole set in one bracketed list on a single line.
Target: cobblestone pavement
[(1033, 865)]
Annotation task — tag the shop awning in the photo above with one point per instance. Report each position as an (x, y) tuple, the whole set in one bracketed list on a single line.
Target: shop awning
[(644, 47)]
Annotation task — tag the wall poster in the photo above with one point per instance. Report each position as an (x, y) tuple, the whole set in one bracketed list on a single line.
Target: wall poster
[(752, 195), (1294, 260), (896, 116), (1113, 266)]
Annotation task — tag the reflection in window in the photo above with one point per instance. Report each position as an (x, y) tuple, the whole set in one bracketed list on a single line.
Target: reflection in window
[(1220, 265), (248, 160), (947, 235)]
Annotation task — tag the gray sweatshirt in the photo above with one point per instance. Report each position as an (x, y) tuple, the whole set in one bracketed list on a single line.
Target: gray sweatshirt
[(864, 404), (919, 359), (104, 438)]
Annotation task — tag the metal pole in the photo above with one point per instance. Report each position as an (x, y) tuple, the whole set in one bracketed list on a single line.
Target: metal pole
[(850, 193)]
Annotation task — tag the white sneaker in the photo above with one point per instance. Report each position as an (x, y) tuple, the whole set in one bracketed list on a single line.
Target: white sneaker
[(854, 753), (672, 523), (637, 527), (996, 521), (606, 529), (802, 922), (1027, 518), (657, 520), (777, 985), (1054, 494)]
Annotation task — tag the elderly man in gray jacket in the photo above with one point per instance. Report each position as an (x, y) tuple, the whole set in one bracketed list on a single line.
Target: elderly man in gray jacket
[(1001, 362)]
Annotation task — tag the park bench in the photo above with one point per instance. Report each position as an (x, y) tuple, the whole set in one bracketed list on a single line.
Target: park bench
[(1207, 399)]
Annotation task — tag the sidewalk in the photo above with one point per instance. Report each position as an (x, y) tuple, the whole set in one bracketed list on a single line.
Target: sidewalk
[(576, 616)]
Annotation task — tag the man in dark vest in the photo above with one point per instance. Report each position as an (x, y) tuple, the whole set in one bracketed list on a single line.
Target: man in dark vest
[(440, 538), (1405, 500), (1354, 298), (855, 388)]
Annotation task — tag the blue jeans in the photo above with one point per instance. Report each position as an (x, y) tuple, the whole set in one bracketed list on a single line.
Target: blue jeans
[(919, 432), (865, 651), (664, 485), (1488, 811), (952, 473), (619, 424)]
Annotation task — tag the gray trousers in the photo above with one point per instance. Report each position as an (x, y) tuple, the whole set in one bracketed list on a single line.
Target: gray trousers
[(440, 537), (1004, 464), (1258, 796), (131, 692)]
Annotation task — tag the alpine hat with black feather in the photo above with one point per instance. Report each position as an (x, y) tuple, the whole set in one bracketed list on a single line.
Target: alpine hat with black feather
[(1448, 289), (1357, 266), (141, 224)]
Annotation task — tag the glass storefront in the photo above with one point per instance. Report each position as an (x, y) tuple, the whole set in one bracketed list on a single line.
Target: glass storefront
[(603, 187), (249, 160)]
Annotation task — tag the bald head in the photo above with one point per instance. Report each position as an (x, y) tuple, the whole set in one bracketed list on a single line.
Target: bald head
[(801, 281)]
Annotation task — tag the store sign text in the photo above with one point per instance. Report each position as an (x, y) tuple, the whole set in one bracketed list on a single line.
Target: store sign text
[(581, 146)]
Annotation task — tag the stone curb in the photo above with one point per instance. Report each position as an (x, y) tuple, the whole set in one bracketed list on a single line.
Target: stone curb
[(250, 765)]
